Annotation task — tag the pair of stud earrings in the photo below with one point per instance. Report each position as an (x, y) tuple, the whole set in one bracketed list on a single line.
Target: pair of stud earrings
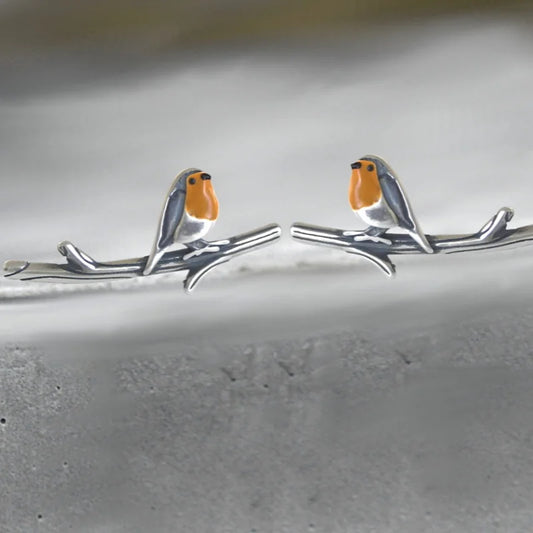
[(191, 209)]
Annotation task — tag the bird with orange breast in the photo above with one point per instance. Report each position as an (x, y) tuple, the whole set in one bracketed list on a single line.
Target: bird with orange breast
[(376, 195), (189, 212)]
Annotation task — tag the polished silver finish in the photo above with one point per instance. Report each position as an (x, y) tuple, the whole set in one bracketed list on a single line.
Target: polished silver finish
[(82, 268), (493, 234), (393, 209)]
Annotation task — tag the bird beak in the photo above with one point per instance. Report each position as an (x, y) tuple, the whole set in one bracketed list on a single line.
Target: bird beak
[(206, 182), (352, 188), (356, 171)]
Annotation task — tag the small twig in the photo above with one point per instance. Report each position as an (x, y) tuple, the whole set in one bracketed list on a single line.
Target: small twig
[(81, 267), (492, 235)]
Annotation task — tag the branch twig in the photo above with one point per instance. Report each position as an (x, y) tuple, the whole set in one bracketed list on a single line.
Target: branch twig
[(81, 267), (492, 235)]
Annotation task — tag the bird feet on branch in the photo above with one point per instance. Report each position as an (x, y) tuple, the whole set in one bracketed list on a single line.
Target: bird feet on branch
[(373, 238), (199, 251), (362, 236), (222, 242)]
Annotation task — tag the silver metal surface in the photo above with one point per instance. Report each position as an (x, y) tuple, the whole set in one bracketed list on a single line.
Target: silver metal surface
[(493, 234), (80, 267)]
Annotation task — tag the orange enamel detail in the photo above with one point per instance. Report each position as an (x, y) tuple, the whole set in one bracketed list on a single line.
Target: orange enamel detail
[(364, 187), (201, 200)]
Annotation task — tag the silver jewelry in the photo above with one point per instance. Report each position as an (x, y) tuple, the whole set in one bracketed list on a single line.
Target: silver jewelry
[(493, 234), (190, 209), (377, 196)]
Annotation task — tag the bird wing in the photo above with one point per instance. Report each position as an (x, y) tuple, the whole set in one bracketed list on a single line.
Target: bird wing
[(170, 218), (169, 221), (397, 201)]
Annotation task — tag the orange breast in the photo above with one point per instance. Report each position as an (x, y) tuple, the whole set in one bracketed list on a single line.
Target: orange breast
[(201, 201), (364, 189)]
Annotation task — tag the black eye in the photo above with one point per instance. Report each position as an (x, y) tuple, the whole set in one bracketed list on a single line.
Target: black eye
[(356, 165), (192, 181), (370, 168)]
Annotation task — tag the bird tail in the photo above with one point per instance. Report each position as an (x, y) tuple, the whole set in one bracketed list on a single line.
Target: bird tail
[(422, 241), (152, 261)]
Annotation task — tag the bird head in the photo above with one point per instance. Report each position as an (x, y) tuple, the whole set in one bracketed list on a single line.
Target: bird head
[(364, 187), (363, 168), (200, 197), (369, 164)]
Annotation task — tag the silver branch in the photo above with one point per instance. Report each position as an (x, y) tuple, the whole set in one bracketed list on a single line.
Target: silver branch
[(493, 234), (81, 267)]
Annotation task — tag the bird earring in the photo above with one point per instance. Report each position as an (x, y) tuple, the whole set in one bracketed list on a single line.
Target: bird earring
[(376, 195), (189, 211)]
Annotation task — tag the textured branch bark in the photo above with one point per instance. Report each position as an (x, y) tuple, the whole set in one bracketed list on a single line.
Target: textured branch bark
[(493, 234), (82, 268)]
